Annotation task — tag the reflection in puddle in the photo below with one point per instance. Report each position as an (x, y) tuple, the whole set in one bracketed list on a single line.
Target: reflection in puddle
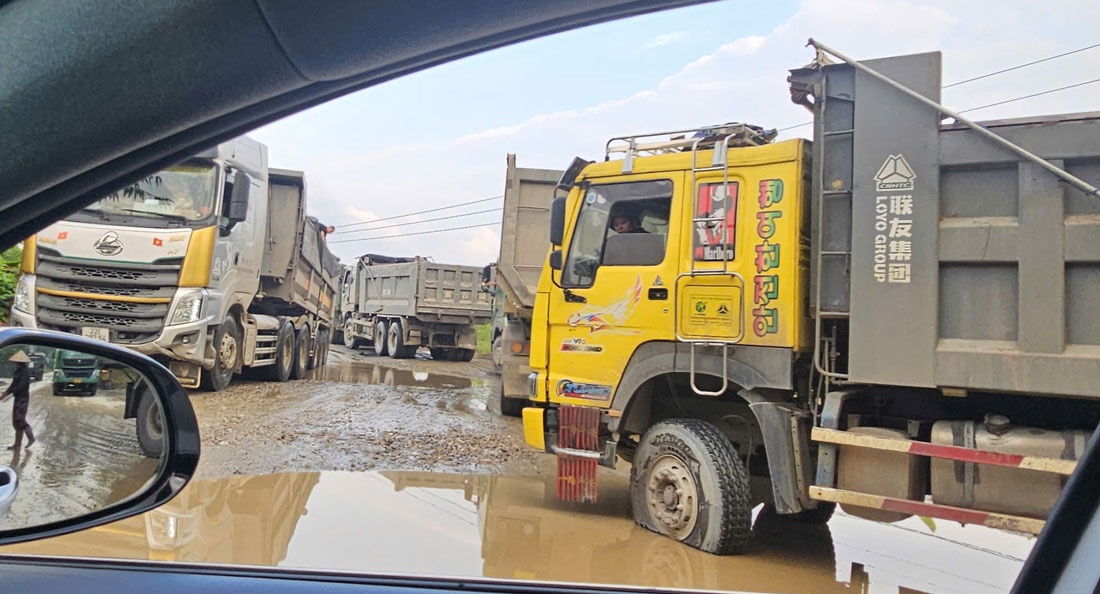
[(513, 528), (356, 372)]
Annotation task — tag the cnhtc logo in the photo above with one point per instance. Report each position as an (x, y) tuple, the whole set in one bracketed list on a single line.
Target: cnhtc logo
[(895, 174), (109, 244)]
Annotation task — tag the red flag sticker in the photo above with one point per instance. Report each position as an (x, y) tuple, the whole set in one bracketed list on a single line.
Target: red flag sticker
[(62, 234), (157, 242)]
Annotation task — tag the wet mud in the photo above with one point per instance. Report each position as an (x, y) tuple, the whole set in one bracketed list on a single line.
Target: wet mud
[(86, 456), (510, 527), (361, 412)]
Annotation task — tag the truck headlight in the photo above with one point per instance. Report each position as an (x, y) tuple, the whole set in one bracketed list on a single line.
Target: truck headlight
[(24, 295), (188, 309)]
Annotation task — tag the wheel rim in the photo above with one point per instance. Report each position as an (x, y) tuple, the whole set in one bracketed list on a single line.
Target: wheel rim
[(153, 422), (303, 351), (498, 353), (393, 338), (349, 340), (288, 353), (227, 352), (672, 496)]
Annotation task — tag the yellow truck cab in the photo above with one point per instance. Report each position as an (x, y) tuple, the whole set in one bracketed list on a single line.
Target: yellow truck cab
[(847, 320)]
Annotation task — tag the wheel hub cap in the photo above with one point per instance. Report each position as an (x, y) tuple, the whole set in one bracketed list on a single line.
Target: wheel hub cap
[(672, 496), (227, 352)]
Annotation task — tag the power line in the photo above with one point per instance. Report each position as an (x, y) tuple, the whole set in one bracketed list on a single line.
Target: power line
[(417, 233), (1047, 92), (1002, 71), (1047, 59), (448, 217), (415, 213)]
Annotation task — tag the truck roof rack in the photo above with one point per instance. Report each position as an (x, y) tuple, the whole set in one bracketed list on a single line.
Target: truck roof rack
[(675, 141)]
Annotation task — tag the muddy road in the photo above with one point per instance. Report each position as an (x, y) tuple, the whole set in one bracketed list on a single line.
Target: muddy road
[(362, 412), (86, 456)]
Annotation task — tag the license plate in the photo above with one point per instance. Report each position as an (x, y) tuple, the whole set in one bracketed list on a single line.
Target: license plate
[(76, 381), (96, 333)]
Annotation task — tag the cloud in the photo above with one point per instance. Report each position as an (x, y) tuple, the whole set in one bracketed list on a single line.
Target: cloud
[(662, 40), (482, 244)]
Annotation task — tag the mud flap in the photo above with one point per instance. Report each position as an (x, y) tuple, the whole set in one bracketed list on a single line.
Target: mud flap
[(578, 452), (786, 441)]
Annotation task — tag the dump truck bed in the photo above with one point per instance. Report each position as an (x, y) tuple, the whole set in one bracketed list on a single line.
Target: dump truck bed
[(298, 274), (425, 290), (525, 231), (956, 263)]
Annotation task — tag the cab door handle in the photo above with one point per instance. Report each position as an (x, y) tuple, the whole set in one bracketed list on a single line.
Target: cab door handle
[(658, 294)]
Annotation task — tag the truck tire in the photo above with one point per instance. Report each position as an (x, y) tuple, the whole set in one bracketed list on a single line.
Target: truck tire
[(440, 354), (350, 340), (93, 390), (380, 339), (688, 483), (510, 407), (150, 425), (395, 342), (315, 355), (337, 337), (57, 389), (320, 353), (227, 343), (301, 354), (498, 355), (463, 355), (284, 355)]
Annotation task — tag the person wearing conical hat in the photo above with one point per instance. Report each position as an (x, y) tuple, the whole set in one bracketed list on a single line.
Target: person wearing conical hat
[(20, 388)]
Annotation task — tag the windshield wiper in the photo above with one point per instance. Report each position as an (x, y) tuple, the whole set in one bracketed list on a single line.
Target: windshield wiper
[(164, 215)]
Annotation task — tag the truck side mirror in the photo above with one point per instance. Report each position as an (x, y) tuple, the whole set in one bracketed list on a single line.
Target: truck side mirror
[(557, 221), (238, 201), (555, 260)]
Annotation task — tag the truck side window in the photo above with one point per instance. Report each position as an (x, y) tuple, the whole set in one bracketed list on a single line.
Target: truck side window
[(639, 209)]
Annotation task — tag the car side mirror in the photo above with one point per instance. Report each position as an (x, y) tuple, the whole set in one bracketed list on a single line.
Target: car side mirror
[(557, 221), (555, 260), (238, 200), (109, 432)]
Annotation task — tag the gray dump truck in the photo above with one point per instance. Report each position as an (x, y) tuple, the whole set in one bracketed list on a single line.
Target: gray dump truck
[(210, 266), (398, 305), (524, 241)]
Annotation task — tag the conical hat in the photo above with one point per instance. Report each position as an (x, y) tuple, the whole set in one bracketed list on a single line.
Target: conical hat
[(19, 357)]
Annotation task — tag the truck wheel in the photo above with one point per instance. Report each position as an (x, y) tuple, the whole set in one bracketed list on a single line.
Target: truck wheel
[(315, 356), (301, 354), (510, 407), (396, 342), (464, 355), (440, 354), (320, 353), (57, 389), (284, 355), (338, 337), (92, 391), (350, 340), (227, 341), (688, 483), (380, 339), (498, 355), (150, 425)]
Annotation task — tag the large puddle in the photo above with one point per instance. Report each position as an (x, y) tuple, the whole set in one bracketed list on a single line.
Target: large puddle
[(356, 372), (511, 527)]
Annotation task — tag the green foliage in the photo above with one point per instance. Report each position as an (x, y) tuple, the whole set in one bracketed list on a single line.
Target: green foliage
[(9, 274), (484, 338)]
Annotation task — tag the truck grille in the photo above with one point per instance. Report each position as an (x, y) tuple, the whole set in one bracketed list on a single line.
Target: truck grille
[(129, 322)]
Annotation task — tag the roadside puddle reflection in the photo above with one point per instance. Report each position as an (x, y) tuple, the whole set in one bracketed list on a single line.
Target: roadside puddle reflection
[(512, 527), (356, 372)]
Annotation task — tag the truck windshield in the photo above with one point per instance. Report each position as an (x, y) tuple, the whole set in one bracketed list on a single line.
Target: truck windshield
[(185, 192)]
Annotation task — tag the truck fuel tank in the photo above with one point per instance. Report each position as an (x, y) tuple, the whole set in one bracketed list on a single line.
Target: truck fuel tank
[(997, 488)]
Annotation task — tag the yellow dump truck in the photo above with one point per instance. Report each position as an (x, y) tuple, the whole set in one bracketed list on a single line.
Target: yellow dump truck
[(897, 316)]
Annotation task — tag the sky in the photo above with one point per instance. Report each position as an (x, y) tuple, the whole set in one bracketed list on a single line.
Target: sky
[(440, 137)]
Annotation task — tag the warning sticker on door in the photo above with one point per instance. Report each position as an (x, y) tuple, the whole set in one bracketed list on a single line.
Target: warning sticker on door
[(710, 312)]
